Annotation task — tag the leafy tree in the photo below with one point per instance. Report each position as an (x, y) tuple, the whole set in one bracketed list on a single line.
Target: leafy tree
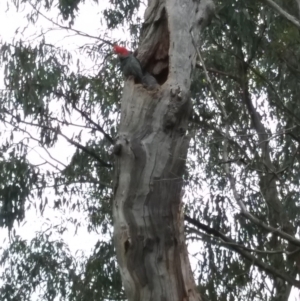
[(130, 160)]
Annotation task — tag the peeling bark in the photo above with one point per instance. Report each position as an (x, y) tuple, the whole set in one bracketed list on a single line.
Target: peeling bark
[(150, 160)]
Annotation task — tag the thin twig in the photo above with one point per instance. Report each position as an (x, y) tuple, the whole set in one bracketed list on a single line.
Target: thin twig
[(235, 244), (108, 137), (68, 28), (58, 132), (267, 268), (283, 13), (241, 204), (208, 78), (211, 70)]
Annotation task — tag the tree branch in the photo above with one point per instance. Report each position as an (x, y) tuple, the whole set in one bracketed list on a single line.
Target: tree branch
[(282, 12), (83, 114), (211, 70), (78, 145), (108, 137), (235, 247), (86, 150), (208, 78), (68, 28)]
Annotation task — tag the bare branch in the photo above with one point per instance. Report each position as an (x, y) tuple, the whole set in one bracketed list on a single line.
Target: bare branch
[(57, 130), (283, 13), (238, 245), (208, 78), (85, 115), (44, 148), (108, 137), (211, 70), (86, 150), (83, 34), (237, 248)]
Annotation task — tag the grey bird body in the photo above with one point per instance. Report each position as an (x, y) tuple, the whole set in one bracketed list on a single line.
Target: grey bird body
[(130, 66)]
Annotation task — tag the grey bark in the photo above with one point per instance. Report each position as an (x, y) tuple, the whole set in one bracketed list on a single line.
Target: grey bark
[(150, 162)]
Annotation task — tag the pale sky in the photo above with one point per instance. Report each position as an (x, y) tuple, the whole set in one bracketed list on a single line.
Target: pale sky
[(88, 21)]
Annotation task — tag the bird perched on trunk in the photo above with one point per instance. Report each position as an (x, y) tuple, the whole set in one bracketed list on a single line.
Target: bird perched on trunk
[(149, 81), (130, 65)]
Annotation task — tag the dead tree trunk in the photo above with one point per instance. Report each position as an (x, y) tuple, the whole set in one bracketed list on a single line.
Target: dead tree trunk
[(150, 159)]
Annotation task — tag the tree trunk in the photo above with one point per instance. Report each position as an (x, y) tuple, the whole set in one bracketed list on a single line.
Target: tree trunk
[(150, 160)]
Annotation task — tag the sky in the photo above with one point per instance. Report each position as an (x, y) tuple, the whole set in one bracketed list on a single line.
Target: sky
[(87, 21)]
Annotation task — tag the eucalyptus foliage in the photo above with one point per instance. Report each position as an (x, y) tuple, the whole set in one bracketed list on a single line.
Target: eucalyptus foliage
[(252, 57)]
